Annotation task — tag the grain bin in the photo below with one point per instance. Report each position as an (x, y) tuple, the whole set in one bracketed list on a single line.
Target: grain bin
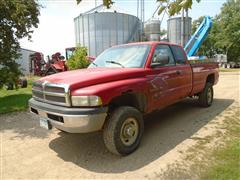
[(101, 28), (152, 30), (174, 29)]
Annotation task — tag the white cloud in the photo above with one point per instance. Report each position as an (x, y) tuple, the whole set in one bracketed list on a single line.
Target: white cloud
[(56, 28)]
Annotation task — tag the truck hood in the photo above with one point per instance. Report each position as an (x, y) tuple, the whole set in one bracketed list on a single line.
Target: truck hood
[(92, 76)]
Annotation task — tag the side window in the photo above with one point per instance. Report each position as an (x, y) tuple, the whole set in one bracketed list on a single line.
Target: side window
[(163, 50), (179, 55)]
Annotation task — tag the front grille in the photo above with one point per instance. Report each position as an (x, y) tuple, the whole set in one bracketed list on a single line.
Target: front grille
[(38, 86), (55, 98), (51, 93), (55, 89), (38, 94)]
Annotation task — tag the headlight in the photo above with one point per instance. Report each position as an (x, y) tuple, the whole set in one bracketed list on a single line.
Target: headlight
[(86, 101)]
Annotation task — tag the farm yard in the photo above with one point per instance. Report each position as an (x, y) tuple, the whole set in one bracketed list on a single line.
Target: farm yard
[(188, 143), (111, 89)]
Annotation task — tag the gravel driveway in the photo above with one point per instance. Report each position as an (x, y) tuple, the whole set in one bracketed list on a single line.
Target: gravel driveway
[(30, 152)]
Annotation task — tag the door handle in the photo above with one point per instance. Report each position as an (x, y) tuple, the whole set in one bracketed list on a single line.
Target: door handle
[(178, 72)]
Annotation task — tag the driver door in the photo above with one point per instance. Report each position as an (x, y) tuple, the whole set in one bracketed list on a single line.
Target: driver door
[(163, 79)]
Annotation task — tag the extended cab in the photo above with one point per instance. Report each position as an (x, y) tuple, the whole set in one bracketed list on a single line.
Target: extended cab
[(121, 85)]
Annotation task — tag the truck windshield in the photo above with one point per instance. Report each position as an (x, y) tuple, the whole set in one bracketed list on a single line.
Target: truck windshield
[(129, 56)]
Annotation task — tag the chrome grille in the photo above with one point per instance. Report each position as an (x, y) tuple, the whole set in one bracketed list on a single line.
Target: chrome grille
[(51, 93), (37, 94), (55, 98), (55, 89)]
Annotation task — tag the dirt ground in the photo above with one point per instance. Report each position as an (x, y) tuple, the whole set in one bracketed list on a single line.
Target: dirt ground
[(30, 152)]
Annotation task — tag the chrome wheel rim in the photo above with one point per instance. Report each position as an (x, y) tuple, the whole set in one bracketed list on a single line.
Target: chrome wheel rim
[(129, 131), (209, 96)]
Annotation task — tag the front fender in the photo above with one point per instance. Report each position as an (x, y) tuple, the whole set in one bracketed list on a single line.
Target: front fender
[(107, 91)]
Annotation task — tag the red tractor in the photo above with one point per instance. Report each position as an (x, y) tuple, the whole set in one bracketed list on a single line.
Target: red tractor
[(37, 64), (55, 64)]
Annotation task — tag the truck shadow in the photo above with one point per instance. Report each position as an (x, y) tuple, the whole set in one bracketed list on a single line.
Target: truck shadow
[(164, 130), (23, 125)]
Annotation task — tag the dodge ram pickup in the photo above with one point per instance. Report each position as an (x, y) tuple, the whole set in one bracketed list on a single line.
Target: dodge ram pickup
[(118, 88)]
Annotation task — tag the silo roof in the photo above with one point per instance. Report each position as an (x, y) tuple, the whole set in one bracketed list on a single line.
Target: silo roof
[(102, 8)]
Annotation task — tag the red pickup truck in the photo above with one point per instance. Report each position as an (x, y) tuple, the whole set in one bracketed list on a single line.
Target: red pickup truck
[(121, 85)]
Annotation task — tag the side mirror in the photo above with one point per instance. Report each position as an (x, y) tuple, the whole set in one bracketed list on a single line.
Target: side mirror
[(160, 60)]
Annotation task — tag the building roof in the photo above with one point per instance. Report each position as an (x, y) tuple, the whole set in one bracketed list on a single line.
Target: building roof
[(27, 50), (102, 8)]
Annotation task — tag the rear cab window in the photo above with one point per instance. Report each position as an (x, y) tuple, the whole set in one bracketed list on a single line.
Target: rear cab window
[(179, 55)]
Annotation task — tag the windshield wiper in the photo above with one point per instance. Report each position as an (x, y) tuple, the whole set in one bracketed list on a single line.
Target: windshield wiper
[(115, 62), (94, 64)]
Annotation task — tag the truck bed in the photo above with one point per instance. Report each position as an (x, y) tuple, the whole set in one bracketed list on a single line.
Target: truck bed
[(201, 70)]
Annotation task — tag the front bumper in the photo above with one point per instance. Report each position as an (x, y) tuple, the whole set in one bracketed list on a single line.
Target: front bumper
[(72, 120)]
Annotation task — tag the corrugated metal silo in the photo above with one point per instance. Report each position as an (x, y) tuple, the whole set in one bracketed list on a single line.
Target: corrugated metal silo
[(152, 30), (98, 30), (174, 29)]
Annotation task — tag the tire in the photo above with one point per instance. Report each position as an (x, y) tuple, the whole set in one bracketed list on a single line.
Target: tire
[(23, 83), (206, 96), (123, 121), (9, 86)]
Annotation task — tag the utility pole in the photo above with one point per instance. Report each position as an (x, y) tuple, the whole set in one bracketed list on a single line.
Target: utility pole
[(182, 28), (138, 9), (142, 18), (187, 30), (143, 11)]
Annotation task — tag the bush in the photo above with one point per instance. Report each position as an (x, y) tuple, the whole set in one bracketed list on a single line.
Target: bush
[(79, 59)]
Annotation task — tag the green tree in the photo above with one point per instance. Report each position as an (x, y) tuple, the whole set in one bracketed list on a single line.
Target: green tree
[(163, 32), (175, 6), (224, 36), (17, 18), (106, 3), (79, 59), (208, 48), (228, 37)]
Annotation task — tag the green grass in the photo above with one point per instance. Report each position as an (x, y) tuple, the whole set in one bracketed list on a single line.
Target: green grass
[(15, 100), (227, 163)]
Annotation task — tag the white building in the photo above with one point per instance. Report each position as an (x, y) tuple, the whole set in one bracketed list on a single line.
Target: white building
[(24, 61)]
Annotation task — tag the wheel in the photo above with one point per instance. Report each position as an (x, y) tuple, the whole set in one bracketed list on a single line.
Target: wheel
[(206, 96), (9, 86), (23, 83), (123, 130)]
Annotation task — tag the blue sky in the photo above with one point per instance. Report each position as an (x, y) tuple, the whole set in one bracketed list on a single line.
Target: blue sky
[(56, 27)]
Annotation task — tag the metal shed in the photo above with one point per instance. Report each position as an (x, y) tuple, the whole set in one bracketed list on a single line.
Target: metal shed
[(23, 60)]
